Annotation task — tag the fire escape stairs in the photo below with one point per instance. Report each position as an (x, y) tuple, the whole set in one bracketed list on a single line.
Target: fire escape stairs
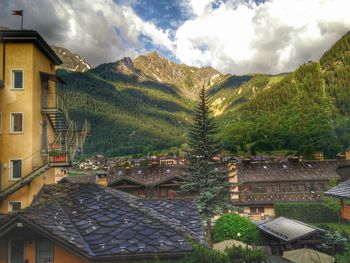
[(23, 181)]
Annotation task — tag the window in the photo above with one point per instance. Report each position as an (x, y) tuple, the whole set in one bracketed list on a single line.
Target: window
[(0, 122), (17, 79), (16, 120), (257, 210), (16, 251), (15, 169), (15, 206), (44, 251)]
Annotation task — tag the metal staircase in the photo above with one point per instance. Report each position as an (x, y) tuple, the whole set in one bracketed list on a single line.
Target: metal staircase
[(32, 166), (54, 107)]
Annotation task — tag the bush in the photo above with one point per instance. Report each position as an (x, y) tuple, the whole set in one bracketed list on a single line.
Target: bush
[(234, 226), (306, 212), (203, 254)]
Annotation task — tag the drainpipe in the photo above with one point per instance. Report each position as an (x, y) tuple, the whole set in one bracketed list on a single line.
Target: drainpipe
[(3, 63)]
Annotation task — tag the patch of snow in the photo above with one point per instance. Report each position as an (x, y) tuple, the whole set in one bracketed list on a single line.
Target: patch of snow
[(157, 69), (156, 77), (169, 62), (64, 53), (192, 70)]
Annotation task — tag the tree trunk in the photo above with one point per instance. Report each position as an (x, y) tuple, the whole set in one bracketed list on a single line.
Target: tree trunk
[(209, 233)]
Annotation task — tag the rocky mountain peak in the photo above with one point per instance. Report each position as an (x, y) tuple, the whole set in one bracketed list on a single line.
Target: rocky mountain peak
[(71, 61)]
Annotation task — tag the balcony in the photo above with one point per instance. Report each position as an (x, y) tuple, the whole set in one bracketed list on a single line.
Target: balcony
[(68, 144)]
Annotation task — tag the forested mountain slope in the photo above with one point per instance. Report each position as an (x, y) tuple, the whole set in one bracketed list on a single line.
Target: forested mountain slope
[(306, 111), (141, 106)]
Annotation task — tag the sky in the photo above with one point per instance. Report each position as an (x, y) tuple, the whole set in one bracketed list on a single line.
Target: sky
[(233, 36)]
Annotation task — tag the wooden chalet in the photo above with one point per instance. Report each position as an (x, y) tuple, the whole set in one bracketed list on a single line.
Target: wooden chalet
[(259, 185)]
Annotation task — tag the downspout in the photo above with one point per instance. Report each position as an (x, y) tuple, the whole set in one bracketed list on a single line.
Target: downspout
[(3, 61)]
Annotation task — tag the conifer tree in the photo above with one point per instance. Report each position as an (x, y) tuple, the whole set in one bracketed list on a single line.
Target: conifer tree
[(206, 178)]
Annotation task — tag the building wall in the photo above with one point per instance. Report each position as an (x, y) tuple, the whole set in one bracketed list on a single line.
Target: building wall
[(60, 254), (27, 145), (27, 193)]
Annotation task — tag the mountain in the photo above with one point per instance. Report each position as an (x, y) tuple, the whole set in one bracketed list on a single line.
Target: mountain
[(71, 61), (143, 106), (305, 111), (187, 79)]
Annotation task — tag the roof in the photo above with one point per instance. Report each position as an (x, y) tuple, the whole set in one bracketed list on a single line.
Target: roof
[(103, 223), (342, 190), (33, 37), (288, 229), (289, 171), (307, 255), (148, 176), (80, 179)]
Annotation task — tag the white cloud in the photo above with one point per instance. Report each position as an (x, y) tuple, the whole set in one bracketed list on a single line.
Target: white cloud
[(99, 30), (272, 37), (236, 36)]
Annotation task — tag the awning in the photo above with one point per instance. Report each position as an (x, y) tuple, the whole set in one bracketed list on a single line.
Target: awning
[(47, 76), (288, 230)]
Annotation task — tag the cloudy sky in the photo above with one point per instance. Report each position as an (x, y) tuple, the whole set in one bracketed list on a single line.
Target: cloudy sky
[(233, 36)]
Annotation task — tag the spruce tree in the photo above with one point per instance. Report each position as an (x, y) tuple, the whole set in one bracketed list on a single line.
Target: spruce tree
[(205, 178)]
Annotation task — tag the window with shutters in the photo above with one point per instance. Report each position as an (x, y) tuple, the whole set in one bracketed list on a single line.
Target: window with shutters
[(44, 251)]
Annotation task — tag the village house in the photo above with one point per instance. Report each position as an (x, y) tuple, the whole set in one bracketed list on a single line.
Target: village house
[(152, 181), (36, 133), (342, 192), (85, 222), (257, 186)]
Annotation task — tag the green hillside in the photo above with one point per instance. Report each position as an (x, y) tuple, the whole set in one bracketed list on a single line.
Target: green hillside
[(306, 111), (127, 117), (134, 113)]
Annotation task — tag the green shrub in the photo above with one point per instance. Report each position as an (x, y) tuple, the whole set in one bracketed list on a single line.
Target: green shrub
[(306, 212), (203, 254), (234, 226)]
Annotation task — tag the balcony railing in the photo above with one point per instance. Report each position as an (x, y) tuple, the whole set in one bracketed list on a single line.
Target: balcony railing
[(66, 146), (30, 167), (278, 197)]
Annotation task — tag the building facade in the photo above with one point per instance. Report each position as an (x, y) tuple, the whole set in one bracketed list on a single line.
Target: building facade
[(36, 133), (257, 186)]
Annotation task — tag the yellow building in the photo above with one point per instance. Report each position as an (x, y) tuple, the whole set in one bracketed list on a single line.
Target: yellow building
[(36, 133)]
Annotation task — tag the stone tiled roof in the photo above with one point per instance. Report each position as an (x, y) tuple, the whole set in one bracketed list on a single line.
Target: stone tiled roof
[(149, 176), (288, 229), (342, 190), (288, 171), (101, 222), (80, 179)]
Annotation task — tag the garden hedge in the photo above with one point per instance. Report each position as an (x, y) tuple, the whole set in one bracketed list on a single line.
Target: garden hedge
[(306, 212)]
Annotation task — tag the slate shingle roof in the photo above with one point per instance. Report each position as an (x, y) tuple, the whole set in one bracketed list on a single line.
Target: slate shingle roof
[(289, 171), (147, 176), (288, 229), (101, 222), (342, 190), (80, 179)]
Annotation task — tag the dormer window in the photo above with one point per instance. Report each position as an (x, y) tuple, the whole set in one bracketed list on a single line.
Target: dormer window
[(17, 79)]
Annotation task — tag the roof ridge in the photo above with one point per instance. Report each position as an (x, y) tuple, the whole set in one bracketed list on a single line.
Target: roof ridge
[(73, 224), (151, 212)]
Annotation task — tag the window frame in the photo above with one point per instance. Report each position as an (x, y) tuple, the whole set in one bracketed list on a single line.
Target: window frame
[(11, 123), (37, 248), (11, 179), (13, 79), (1, 122), (10, 207), (10, 250)]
